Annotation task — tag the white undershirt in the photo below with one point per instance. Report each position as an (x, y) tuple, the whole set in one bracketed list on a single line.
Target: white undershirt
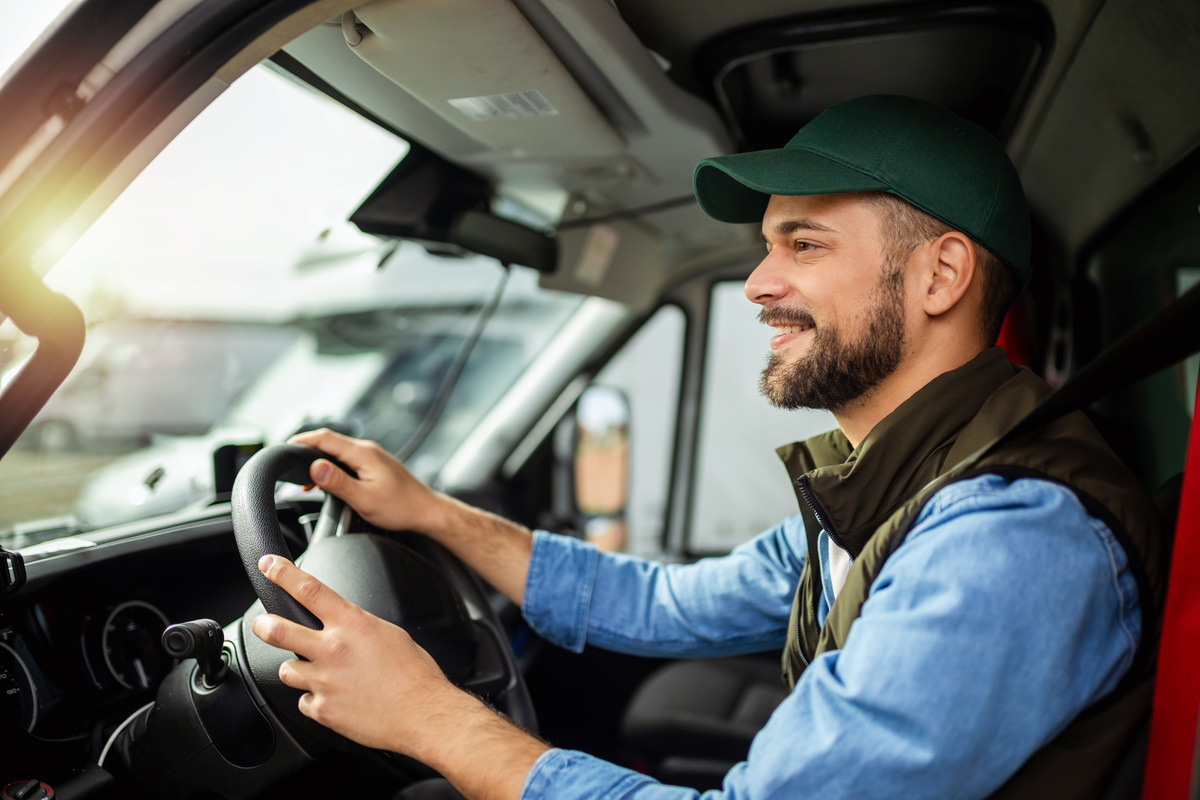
[(839, 567)]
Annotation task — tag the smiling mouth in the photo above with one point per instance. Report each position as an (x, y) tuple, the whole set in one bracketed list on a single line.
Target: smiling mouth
[(780, 330)]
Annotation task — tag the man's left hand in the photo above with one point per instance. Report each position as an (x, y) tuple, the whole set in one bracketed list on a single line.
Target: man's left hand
[(368, 680)]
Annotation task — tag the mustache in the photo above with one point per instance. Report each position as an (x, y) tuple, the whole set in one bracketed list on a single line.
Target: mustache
[(780, 315)]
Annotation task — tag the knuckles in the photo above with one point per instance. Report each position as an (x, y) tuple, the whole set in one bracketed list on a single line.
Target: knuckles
[(359, 622), (308, 590), (337, 649), (266, 629), (316, 707)]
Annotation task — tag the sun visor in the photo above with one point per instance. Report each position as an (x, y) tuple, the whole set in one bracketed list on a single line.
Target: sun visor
[(496, 80)]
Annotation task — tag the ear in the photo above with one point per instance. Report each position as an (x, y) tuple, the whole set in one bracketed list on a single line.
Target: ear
[(948, 271)]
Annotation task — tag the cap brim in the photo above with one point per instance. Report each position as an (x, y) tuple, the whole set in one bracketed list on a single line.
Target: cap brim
[(736, 188)]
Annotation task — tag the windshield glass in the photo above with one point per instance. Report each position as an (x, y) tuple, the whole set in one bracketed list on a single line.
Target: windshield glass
[(228, 301)]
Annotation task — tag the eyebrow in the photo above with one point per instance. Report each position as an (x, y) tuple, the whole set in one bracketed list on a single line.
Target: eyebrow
[(790, 226)]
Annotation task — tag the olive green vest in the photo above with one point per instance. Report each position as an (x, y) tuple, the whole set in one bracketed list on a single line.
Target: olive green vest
[(867, 498)]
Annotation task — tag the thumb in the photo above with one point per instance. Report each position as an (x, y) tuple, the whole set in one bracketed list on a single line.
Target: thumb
[(330, 478)]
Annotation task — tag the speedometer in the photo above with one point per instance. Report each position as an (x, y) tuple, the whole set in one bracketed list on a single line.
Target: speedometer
[(130, 643), (18, 697)]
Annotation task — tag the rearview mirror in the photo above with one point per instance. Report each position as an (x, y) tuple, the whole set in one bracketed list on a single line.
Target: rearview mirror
[(443, 206)]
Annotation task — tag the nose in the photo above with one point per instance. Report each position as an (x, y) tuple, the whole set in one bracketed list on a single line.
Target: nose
[(767, 283)]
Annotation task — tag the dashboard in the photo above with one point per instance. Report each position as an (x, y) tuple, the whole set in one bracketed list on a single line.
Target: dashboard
[(61, 659), (80, 644), (81, 659)]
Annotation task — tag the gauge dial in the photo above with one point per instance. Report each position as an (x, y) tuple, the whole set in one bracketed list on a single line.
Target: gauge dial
[(131, 645), (18, 697)]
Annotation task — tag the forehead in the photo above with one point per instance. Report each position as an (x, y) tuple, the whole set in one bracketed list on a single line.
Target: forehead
[(850, 215)]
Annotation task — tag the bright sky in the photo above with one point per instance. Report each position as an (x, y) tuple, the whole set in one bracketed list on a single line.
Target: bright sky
[(261, 181), (220, 219)]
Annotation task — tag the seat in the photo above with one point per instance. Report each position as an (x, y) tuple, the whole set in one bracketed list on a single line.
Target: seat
[(693, 720)]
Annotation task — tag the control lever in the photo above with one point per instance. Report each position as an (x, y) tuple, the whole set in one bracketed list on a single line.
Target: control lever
[(201, 639), (27, 790)]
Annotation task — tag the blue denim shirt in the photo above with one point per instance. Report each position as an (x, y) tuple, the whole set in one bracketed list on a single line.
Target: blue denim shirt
[(1006, 612)]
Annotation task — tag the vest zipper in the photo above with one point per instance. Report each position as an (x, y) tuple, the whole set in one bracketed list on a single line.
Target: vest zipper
[(807, 493), (799, 651), (822, 518)]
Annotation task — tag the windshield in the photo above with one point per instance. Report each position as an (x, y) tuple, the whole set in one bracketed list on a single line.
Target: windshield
[(228, 301)]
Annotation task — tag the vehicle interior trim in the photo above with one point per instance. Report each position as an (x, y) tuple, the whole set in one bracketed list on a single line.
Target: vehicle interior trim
[(488, 445)]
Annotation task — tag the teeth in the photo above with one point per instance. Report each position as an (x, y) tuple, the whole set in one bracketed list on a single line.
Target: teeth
[(782, 329)]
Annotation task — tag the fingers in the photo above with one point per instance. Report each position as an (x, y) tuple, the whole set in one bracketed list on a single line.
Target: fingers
[(328, 476), (298, 675), (333, 479), (384, 493), (303, 676), (318, 598), (343, 448), (286, 635)]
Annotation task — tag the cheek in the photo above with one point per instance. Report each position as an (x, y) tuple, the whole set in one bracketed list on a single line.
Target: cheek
[(851, 308)]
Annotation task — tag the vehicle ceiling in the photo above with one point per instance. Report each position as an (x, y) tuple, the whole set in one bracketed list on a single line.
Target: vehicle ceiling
[(1116, 101), (1108, 100)]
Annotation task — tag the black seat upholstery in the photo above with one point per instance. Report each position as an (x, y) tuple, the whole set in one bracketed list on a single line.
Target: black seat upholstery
[(708, 708)]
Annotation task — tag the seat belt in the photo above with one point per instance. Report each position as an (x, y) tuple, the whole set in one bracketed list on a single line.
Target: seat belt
[(1170, 761), (1166, 338)]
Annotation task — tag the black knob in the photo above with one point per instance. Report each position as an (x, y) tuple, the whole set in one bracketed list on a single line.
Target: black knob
[(27, 790), (201, 639)]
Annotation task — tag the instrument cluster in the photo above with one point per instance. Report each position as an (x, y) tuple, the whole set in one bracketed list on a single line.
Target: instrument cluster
[(65, 664)]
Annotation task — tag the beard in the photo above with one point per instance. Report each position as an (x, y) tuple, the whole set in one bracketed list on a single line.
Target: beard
[(838, 372)]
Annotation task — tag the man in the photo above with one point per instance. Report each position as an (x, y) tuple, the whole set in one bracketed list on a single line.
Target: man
[(994, 594)]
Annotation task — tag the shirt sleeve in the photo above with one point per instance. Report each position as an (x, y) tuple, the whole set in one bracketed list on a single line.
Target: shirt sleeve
[(1006, 613), (735, 604)]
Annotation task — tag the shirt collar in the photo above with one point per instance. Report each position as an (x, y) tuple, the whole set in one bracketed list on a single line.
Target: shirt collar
[(858, 488)]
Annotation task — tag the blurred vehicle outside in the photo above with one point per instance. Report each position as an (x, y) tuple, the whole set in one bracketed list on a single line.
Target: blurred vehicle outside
[(374, 373), (142, 378)]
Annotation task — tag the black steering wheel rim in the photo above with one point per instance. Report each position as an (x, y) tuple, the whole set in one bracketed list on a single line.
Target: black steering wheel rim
[(256, 525)]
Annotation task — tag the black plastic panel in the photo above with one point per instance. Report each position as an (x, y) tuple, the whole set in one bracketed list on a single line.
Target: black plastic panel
[(978, 61)]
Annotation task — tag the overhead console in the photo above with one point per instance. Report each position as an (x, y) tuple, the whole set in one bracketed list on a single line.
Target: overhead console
[(540, 97), (557, 104), (497, 81)]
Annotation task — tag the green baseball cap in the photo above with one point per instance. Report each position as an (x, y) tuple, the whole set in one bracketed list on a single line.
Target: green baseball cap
[(918, 151)]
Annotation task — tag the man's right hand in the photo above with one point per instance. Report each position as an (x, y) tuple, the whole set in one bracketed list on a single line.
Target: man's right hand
[(385, 493), (388, 496)]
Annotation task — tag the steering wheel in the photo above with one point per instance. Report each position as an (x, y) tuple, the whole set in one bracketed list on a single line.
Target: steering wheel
[(391, 580), (256, 526), (248, 731)]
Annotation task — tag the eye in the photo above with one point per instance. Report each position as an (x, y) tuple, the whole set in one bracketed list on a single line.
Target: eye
[(803, 247)]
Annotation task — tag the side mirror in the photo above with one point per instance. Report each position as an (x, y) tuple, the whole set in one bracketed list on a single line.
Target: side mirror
[(601, 465)]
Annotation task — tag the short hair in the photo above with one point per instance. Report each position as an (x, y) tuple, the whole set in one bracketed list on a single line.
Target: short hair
[(906, 227)]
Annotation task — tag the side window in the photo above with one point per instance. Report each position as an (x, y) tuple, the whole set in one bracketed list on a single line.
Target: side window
[(740, 488), (647, 369)]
